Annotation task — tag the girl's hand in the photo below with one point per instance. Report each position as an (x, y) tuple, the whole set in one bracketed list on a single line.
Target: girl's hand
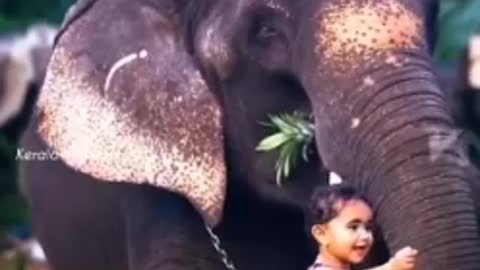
[(404, 259)]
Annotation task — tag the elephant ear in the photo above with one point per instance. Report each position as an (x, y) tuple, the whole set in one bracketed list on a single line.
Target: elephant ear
[(74, 11), (123, 101)]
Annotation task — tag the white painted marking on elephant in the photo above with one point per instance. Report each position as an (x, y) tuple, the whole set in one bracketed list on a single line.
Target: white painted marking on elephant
[(393, 60), (274, 5), (178, 99), (355, 123), (122, 62), (334, 179), (19, 73), (368, 81), (474, 55)]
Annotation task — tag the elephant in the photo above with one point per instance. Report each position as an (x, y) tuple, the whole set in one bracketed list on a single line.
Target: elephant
[(152, 109)]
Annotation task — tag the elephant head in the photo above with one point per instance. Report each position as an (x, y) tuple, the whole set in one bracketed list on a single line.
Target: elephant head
[(169, 93)]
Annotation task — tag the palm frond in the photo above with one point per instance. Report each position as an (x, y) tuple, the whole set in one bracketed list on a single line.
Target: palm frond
[(292, 139)]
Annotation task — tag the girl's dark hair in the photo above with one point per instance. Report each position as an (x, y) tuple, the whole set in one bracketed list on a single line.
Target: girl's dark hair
[(326, 202)]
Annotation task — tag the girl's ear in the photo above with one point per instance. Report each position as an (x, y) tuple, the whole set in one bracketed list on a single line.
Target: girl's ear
[(318, 232)]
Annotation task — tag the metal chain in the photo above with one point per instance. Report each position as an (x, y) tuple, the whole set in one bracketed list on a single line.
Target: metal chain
[(217, 245)]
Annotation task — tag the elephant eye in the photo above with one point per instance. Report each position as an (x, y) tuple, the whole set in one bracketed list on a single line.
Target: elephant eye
[(266, 31)]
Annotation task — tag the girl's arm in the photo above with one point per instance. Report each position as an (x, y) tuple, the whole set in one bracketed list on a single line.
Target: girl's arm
[(404, 259)]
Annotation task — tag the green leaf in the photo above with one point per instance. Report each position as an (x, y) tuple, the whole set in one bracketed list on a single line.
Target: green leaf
[(285, 157), (283, 125), (271, 142), (292, 139), (278, 174)]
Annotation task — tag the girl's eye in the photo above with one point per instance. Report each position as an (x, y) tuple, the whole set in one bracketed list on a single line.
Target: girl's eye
[(353, 227)]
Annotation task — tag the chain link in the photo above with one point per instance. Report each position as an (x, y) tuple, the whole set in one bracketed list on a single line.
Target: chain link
[(222, 252)]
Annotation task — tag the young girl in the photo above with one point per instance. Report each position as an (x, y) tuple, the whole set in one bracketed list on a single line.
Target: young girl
[(342, 220)]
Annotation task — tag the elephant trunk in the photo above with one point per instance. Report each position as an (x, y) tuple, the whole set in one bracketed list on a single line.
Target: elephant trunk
[(383, 124), (411, 165), (393, 137)]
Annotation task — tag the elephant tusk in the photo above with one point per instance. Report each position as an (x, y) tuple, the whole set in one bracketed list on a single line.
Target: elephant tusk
[(334, 179), (355, 122), (122, 62)]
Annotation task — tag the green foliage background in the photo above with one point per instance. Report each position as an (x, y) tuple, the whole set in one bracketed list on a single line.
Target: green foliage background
[(18, 14), (459, 19)]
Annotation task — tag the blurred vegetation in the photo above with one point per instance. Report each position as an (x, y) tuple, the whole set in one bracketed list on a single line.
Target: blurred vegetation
[(458, 21), (18, 14)]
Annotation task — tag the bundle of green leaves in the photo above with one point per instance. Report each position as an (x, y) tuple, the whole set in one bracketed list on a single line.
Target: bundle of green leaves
[(292, 138)]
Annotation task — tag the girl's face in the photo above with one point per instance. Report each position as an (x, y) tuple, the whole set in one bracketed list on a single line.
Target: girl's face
[(347, 238)]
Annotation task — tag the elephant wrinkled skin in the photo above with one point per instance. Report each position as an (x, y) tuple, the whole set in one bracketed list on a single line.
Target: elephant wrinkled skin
[(154, 107)]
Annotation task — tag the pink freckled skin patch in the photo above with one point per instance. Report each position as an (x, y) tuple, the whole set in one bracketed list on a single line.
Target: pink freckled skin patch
[(351, 32)]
